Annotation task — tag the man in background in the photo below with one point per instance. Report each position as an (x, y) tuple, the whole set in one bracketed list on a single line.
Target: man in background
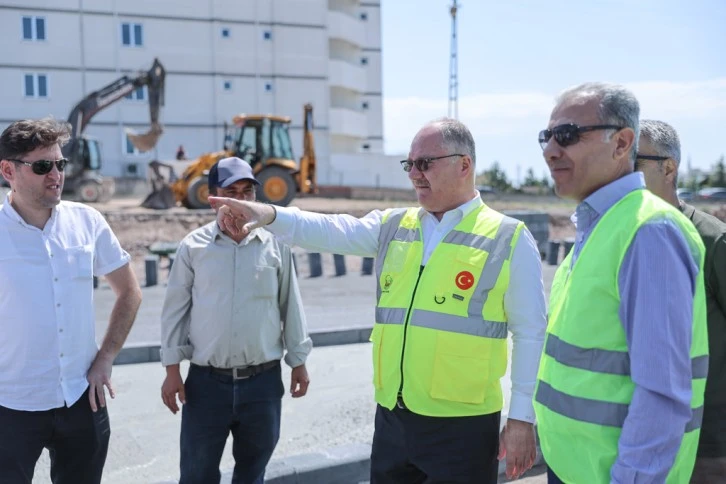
[(659, 156)]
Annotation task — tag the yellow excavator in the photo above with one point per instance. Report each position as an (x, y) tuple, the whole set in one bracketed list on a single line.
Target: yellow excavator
[(261, 140)]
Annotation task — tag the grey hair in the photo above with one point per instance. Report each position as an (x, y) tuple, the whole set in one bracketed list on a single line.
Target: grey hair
[(457, 137), (664, 139), (616, 105)]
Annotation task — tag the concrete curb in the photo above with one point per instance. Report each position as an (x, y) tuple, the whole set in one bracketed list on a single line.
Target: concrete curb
[(149, 352)]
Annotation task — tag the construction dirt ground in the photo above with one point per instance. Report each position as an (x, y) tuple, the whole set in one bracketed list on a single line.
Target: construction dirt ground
[(138, 228)]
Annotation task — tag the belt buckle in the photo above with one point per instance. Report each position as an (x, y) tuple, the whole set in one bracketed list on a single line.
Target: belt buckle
[(236, 377), (400, 404)]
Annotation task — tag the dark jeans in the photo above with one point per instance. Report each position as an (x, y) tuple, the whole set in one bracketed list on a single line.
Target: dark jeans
[(410, 449), (217, 405), (77, 440), (552, 477)]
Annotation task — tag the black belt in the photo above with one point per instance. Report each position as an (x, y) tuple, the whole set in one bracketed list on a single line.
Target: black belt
[(242, 372)]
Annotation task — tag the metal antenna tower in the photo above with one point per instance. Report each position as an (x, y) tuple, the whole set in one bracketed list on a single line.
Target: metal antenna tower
[(453, 67)]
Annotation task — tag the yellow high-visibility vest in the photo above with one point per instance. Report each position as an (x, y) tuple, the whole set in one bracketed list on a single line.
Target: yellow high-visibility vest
[(440, 337)]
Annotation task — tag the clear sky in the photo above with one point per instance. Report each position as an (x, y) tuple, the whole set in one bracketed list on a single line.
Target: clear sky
[(516, 55)]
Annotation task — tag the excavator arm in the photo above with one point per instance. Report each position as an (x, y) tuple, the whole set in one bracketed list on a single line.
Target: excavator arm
[(93, 103), (307, 181)]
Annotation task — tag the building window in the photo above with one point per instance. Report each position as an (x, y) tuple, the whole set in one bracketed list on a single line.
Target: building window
[(267, 35), (366, 147), (268, 86), (132, 34), (227, 85), (36, 85), (225, 33), (33, 28), (138, 94), (129, 147), (364, 105), (363, 16), (364, 61)]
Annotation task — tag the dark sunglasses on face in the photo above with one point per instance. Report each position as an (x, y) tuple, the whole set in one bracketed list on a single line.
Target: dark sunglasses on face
[(43, 167), (422, 164), (569, 134)]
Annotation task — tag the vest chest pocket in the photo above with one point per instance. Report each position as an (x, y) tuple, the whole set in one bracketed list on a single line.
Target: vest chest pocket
[(461, 370)]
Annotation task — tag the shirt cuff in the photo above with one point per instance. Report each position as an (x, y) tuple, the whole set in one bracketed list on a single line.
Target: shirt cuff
[(284, 221), (175, 355), (521, 408)]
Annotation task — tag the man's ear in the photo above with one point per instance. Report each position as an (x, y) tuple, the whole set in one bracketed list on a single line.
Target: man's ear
[(625, 138), (467, 165), (8, 170), (670, 169)]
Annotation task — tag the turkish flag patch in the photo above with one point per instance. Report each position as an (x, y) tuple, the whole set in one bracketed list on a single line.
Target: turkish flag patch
[(464, 280)]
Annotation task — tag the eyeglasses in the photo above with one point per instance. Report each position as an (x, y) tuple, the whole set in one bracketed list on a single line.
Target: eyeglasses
[(43, 167), (569, 134), (422, 164), (651, 157), (640, 159)]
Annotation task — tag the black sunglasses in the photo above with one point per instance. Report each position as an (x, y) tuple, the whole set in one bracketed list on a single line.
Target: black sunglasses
[(422, 164), (43, 167), (569, 134)]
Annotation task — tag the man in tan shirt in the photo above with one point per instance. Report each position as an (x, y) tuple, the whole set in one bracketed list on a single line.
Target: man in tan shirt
[(234, 339)]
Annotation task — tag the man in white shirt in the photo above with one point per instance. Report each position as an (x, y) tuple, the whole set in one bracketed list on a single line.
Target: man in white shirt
[(232, 307), (52, 374), (454, 276)]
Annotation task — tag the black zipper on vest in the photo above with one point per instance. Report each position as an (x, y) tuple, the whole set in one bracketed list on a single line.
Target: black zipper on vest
[(405, 328)]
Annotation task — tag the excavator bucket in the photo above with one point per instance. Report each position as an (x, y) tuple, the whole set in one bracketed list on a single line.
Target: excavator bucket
[(161, 196), (160, 199), (147, 141)]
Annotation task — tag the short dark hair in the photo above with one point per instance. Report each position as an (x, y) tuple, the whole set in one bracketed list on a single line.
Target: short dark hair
[(26, 135)]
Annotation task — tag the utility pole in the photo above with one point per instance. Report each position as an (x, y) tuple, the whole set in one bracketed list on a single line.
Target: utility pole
[(453, 67)]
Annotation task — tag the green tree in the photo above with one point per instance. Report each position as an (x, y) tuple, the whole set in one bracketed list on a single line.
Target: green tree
[(530, 180), (718, 176), (495, 177), (545, 182)]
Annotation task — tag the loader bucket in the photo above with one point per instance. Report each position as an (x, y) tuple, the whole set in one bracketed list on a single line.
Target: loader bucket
[(160, 199), (147, 141)]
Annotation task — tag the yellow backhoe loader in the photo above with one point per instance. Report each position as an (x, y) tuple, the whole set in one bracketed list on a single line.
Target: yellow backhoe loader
[(261, 140)]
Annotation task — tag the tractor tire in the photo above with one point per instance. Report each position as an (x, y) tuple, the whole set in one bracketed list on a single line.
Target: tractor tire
[(198, 193), (90, 191), (277, 186)]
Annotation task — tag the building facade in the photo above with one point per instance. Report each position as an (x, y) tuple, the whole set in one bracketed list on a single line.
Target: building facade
[(222, 58)]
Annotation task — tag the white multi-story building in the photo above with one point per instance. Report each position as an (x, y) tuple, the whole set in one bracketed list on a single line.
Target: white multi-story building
[(222, 58)]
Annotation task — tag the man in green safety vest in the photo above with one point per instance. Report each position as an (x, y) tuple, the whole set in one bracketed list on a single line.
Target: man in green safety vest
[(454, 278), (621, 382)]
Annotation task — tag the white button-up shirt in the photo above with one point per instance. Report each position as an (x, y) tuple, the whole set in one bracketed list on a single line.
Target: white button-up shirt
[(47, 323), (524, 300)]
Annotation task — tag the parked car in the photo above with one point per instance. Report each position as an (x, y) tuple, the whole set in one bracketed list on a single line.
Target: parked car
[(685, 194), (712, 194)]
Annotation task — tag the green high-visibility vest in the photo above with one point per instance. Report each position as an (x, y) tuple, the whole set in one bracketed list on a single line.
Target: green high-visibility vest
[(584, 386), (440, 336)]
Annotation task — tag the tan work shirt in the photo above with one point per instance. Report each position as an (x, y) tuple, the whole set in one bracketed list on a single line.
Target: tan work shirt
[(229, 305)]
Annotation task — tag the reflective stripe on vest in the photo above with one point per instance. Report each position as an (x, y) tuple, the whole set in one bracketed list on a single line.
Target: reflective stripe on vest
[(595, 411), (605, 361), (499, 250)]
